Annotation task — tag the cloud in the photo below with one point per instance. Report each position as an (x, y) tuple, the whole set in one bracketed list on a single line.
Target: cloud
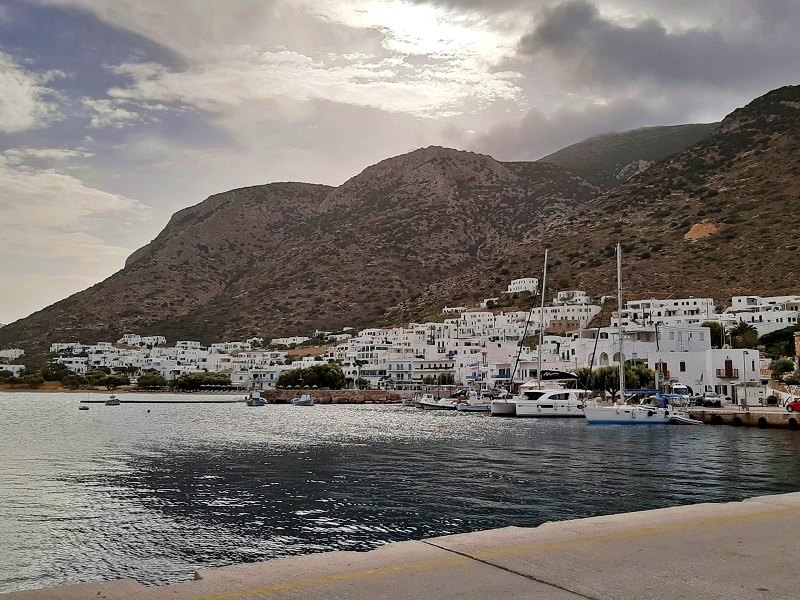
[(17, 156), (597, 50), (242, 74), (108, 113), (56, 228), (24, 101)]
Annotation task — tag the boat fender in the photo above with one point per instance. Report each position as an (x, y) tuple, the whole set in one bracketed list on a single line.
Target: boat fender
[(666, 413), (649, 413)]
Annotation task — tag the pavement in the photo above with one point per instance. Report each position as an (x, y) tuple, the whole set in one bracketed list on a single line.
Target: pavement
[(731, 551)]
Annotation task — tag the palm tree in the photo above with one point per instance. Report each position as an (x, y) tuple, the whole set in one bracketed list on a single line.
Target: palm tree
[(742, 328), (744, 335)]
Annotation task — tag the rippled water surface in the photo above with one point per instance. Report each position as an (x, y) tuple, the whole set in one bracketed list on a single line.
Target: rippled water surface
[(123, 492)]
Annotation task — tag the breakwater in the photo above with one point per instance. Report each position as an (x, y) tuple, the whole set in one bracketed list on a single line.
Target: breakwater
[(334, 396)]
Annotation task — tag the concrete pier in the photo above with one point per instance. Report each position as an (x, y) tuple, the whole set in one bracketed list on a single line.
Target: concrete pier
[(765, 418), (737, 550)]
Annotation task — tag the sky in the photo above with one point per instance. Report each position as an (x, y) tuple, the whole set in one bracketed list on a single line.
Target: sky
[(113, 115)]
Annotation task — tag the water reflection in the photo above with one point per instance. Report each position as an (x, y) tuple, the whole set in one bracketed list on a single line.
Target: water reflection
[(153, 496)]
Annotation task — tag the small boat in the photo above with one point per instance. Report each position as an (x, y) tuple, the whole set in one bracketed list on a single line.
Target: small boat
[(684, 419), (255, 399), (304, 400), (428, 403), (112, 401), (83, 407), (472, 403)]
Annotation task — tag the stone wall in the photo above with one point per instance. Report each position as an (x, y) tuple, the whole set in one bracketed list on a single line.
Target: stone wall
[(334, 396)]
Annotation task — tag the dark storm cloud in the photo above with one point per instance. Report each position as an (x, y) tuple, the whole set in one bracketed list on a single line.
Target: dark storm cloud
[(764, 50)]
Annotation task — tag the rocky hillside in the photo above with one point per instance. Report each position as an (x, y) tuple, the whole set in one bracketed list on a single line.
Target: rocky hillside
[(612, 159), (437, 226), (289, 258), (720, 218)]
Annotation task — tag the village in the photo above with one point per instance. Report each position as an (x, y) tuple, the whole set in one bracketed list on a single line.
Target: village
[(683, 341)]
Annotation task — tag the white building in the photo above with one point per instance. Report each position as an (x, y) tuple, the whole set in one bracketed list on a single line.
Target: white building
[(766, 314), (14, 369), (11, 354), (525, 284), (679, 311), (717, 370), (289, 341), (571, 297), (133, 339)]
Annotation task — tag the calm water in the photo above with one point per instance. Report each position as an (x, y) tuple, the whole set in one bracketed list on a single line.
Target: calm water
[(120, 492)]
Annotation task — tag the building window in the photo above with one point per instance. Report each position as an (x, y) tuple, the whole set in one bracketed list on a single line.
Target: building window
[(683, 367)]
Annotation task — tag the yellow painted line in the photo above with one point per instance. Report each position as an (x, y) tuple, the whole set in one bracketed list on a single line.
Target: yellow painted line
[(513, 551)]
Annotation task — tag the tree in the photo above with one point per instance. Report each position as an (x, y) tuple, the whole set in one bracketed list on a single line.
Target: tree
[(194, 381), (324, 375), (744, 335), (113, 381), (74, 381), (6, 374), (717, 333), (55, 372), (793, 379), (781, 367), (446, 379), (780, 343), (151, 380)]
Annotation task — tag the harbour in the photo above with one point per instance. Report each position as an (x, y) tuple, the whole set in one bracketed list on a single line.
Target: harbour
[(153, 497)]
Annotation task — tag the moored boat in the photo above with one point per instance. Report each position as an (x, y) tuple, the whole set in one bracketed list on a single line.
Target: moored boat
[(112, 400), (255, 399), (429, 403), (303, 400), (550, 403)]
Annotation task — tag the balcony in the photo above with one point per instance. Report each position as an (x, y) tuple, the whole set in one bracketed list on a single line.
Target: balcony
[(728, 373)]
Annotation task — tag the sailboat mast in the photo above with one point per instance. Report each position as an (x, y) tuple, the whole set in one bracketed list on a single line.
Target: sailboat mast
[(541, 323), (619, 323)]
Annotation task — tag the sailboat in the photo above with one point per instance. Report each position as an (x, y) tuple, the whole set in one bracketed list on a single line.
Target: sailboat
[(554, 402), (620, 413)]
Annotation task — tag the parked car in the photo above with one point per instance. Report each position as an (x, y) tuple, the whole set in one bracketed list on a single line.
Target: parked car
[(709, 400), (793, 405)]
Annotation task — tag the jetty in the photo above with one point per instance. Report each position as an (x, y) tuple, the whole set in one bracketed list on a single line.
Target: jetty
[(735, 550), (762, 417)]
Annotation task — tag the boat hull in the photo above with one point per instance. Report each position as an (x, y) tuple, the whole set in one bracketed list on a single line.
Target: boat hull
[(558, 411), (436, 406), (503, 408), (476, 408), (626, 415)]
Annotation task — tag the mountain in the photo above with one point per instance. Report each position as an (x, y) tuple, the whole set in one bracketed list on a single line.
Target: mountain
[(720, 218), (288, 258), (614, 158), (440, 227)]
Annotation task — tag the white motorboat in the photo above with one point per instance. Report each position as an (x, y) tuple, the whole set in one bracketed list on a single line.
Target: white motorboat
[(255, 399), (304, 400), (112, 401), (550, 403), (427, 402)]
